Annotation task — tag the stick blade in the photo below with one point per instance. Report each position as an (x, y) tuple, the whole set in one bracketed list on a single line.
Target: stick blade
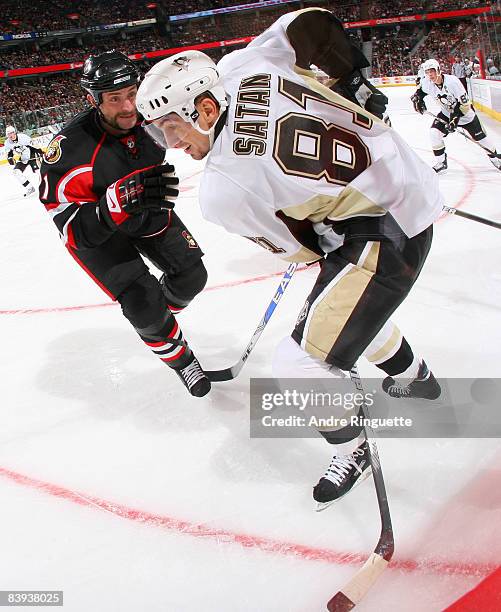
[(359, 585), (220, 375)]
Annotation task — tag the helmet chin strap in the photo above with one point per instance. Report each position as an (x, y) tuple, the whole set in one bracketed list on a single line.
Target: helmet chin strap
[(212, 130), (209, 133)]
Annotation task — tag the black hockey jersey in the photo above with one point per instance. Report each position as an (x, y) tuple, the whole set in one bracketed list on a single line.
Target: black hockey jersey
[(80, 163)]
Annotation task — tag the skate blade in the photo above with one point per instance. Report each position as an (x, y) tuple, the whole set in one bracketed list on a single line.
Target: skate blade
[(320, 506)]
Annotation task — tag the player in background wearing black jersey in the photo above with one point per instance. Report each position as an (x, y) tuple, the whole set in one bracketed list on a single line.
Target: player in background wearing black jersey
[(104, 184)]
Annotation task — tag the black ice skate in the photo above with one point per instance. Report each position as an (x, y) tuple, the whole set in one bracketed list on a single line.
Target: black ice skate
[(424, 386), (495, 159), (441, 166), (193, 377), (342, 475)]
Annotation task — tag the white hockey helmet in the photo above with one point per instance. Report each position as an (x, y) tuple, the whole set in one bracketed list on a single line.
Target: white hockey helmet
[(172, 85), (431, 64), (10, 129)]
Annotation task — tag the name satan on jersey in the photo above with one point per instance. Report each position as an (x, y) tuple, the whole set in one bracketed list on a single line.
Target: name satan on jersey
[(294, 157), (253, 101)]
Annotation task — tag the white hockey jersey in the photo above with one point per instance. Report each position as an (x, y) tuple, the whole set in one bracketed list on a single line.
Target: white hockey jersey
[(448, 95), (293, 154), (19, 147)]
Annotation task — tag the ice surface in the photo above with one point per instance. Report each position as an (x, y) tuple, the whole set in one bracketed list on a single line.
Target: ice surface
[(107, 466)]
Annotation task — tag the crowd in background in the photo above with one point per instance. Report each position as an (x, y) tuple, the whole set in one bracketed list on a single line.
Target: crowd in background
[(381, 9), (392, 47), (39, 93), (26, 15), (451, 5), (396, 49), (29, 16), (56, 52)]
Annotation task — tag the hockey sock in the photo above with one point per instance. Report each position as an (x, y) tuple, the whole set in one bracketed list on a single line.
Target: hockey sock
[(344, 448), (439, 154), (172, 349), (411, 372), (403, 361)]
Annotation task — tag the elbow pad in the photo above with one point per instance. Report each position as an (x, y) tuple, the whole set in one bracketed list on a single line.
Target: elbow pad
[(318, 37)]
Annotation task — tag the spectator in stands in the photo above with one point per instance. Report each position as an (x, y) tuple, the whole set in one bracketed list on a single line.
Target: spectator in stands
[(492, 70)]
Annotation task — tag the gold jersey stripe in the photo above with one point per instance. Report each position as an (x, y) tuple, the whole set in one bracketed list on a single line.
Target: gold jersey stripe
[(332, 312), (349, 203), (304, 255)]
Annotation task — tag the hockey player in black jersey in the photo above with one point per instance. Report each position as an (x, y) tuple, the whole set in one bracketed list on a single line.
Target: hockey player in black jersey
[(104, 183)]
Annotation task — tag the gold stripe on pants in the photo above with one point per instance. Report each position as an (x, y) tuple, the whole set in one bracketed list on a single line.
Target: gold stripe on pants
[(331, 310)]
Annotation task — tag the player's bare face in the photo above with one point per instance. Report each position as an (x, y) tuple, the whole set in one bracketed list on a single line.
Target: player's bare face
[(13, 136), (119, 108), (179, 134), (194, 143), (434, 76)]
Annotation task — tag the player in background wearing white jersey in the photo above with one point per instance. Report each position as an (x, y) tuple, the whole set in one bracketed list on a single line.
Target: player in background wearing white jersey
[(20, 154), (310, 176), (456, 111)]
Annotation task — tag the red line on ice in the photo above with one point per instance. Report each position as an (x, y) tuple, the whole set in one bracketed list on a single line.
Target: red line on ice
[(235, 283), (270, 545), (23, 311)]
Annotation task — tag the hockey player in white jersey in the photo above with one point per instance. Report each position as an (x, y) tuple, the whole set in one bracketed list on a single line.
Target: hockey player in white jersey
[(456, 111), (20, 154), (310, 176)]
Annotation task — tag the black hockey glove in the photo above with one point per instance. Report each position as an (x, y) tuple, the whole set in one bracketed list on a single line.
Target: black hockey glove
[(376, 104), (452, 124), (356, 88), (153, 188), (418, 103)]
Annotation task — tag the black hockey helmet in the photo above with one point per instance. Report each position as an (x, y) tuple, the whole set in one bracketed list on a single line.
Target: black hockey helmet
[(108, 71)]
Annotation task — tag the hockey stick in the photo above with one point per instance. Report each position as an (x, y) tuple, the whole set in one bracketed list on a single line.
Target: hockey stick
[(351, 594), (233, 371), (467, 215), (459, 130)]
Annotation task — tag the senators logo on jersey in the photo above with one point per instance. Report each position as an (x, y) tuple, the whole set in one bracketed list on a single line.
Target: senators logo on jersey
[(192, 243), (54, 151)]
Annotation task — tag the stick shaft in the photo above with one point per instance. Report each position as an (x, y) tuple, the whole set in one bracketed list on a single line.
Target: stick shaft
[(471, 217), (460, 130), (233, 371), (350, 595)]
